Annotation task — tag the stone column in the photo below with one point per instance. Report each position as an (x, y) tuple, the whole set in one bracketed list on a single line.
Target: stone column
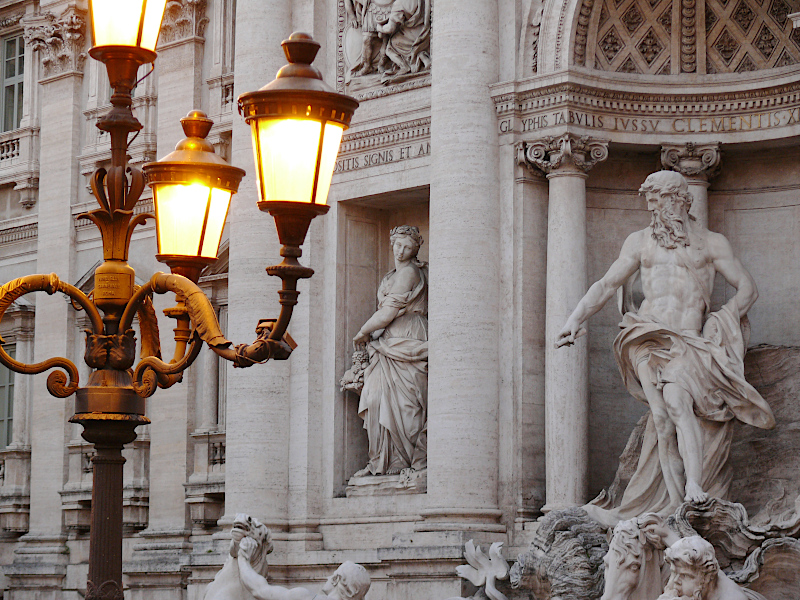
[(20, 435), (465, 252), (207, 398), (699, 163), (566, 160), (59, 43), (257, 423)]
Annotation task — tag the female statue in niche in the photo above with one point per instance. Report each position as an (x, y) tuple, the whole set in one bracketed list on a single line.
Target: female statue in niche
[(394, 398)]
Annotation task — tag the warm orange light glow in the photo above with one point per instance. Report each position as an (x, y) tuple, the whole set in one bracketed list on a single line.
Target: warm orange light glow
[(330, 150), (288, 151), (190, 219), (121, 23)]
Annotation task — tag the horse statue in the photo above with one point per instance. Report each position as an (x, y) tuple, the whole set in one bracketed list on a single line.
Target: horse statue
[(634, 564)]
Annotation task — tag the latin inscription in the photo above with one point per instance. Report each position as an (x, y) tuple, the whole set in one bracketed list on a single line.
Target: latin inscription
[(382, 157), (751, 122)]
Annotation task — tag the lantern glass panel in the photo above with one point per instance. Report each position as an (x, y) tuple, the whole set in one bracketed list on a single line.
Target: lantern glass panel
[(288, 152), (218, 210), (184, 213), (116, 22), (330, 150)]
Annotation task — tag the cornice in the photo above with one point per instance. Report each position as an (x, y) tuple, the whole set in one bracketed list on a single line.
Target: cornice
[(387, 135), (587, 96)]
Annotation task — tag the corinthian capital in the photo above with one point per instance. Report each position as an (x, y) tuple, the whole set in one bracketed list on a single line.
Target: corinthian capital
[(60, 40), (692, 160), (564, 152), (183, 19)]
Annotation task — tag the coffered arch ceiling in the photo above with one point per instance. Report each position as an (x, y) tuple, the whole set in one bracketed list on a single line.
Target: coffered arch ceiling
[(674, 37)]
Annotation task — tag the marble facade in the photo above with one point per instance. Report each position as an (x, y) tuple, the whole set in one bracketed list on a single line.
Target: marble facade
[(516, 144)]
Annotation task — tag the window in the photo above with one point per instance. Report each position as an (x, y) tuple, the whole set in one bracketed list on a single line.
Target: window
[(6, 400), (13, 72)]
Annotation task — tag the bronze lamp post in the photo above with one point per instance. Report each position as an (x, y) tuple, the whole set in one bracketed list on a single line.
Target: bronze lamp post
[(297, 123)]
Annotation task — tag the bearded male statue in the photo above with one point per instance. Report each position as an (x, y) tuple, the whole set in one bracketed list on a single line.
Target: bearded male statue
[(683, 360)]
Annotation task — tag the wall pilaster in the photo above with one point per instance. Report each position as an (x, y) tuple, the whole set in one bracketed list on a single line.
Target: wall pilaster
[(59, 42)]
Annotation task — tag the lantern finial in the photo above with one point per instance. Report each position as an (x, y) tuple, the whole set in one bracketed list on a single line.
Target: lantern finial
[(196, 124), (300, 48)]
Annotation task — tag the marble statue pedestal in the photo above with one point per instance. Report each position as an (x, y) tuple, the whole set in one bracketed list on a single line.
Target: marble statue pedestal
[(406, 482)]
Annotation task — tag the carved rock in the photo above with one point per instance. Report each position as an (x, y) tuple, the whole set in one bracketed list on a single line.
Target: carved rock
[(766, 463), (565, 559), (393, 38)]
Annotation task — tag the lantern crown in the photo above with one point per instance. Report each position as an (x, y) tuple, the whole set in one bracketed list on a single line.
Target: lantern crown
[(194, 149)]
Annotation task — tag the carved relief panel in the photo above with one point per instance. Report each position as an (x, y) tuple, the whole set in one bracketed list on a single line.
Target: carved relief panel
[(670, 37), (384, 46)]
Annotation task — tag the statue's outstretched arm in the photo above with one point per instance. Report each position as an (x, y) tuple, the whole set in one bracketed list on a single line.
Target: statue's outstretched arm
[(258, 585), (602, 290)]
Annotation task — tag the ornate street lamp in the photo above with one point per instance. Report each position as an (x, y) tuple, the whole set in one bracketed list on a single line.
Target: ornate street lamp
[(192, 190), (297, 126)]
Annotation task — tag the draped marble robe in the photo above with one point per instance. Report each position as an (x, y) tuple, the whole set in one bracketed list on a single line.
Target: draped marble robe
[(394, 399), (710, 367), (409, 38)]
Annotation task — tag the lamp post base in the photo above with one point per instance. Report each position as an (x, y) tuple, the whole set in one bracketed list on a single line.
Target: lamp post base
[(109, 432)]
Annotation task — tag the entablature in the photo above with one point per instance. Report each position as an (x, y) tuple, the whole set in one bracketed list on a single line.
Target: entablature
[(728, 109)]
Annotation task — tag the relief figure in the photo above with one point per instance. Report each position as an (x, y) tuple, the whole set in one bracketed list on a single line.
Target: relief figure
[(677, 356), (395, 37), (367, 15), (394, 397)]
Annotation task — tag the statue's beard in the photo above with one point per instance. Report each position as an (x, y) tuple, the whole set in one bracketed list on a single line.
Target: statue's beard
[(669, 229)]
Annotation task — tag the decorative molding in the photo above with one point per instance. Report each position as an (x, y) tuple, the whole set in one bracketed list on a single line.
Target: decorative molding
[(388, 135), (560, 34), (688, 36), (646, 103), (183, 19), (28, 189), (582, 32), (568, 151), (11, 21), (60, 41), (19, 233), (414, 84), (692, 160)]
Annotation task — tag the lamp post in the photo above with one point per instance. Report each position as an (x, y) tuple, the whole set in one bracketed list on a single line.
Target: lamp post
[(297, 124)]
